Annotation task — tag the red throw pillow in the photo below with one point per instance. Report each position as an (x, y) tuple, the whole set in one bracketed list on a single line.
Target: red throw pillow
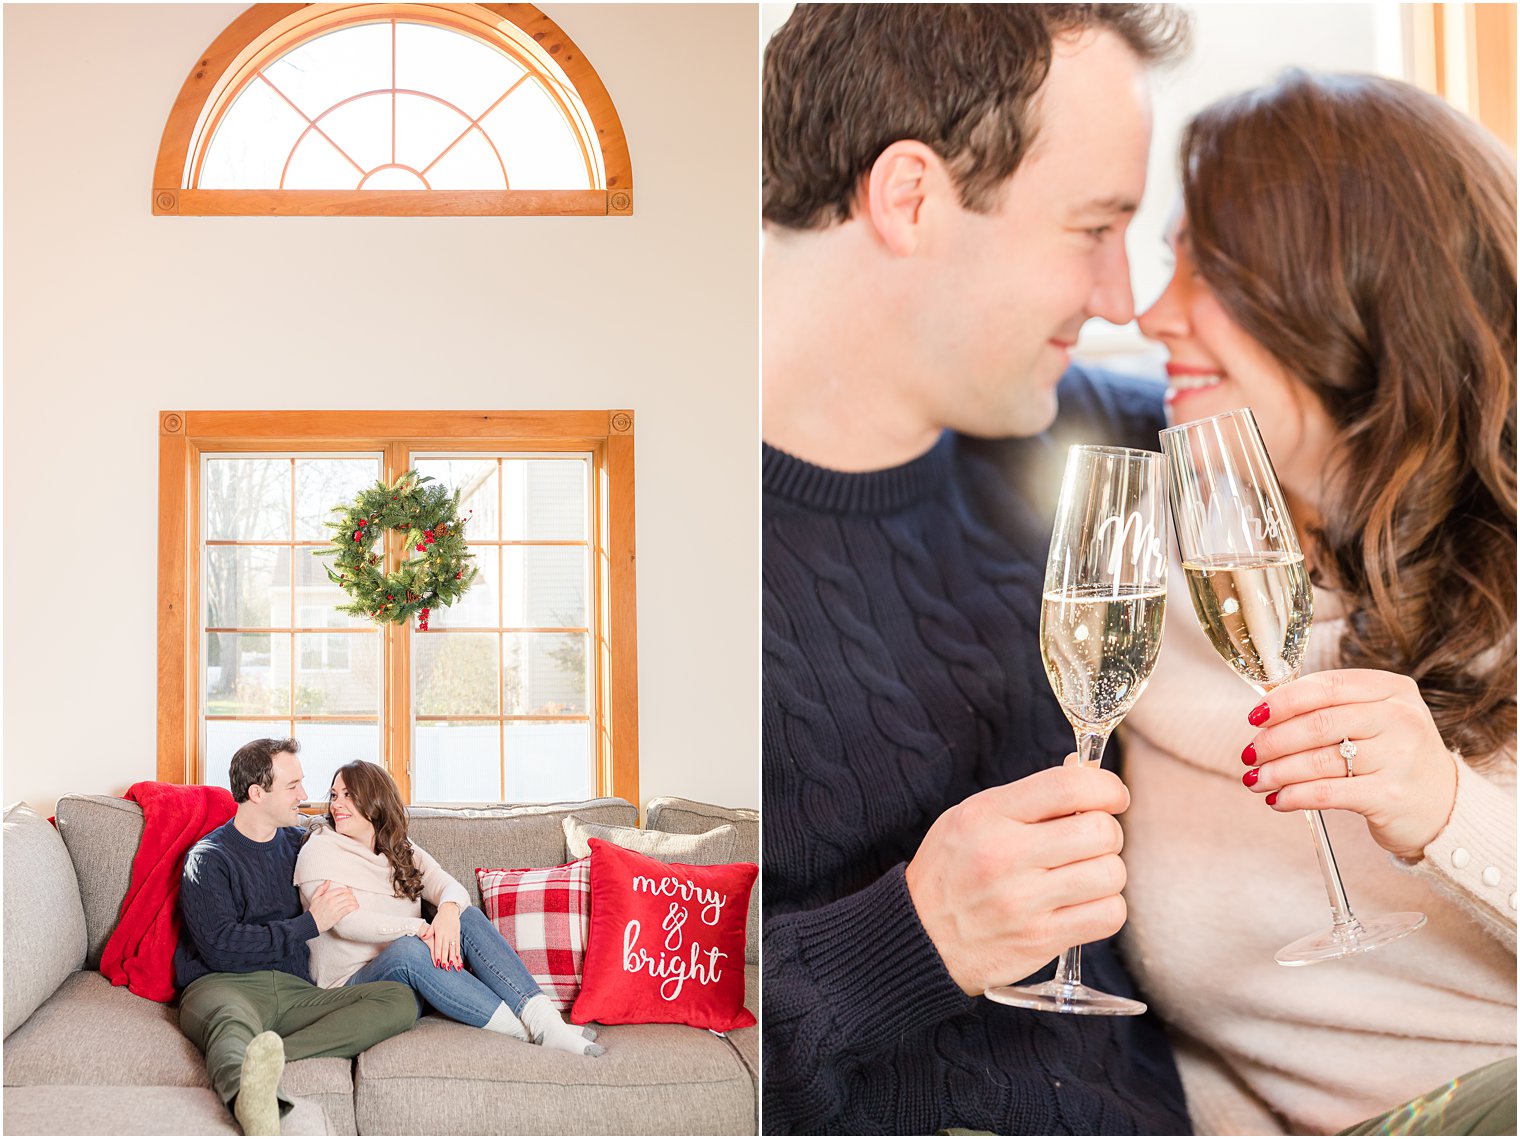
[(543, 914), (666, 943)]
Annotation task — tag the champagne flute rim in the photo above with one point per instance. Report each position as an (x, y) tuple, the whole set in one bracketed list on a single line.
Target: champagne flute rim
[(1191, 423), (1103, 449)]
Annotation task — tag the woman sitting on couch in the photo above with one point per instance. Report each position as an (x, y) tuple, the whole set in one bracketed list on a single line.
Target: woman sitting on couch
[(458, 963)]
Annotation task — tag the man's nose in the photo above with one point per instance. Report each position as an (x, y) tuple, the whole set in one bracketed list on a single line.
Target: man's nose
[(1112, 297)]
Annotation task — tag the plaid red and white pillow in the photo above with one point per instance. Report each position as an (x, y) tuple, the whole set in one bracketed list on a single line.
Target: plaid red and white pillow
[(544, 915)]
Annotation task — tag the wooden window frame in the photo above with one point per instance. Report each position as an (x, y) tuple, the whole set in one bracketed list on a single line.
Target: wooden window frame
[(266, 31), (184, 436)]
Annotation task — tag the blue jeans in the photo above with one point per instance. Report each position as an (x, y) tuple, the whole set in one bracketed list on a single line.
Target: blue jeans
[(493, 974)]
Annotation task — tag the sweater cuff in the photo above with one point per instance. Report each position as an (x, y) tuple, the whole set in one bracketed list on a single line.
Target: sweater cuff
[(1474, 853), (310, 923), (874, 964)]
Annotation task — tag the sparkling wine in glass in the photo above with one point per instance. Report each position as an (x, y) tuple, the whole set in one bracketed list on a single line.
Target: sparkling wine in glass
[(1245, 573), (1100, 631)]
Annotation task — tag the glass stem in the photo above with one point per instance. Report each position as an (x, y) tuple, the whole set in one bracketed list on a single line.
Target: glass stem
[(1090, 745), (1340, 908)]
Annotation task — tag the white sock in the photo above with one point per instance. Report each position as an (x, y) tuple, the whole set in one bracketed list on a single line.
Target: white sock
[(543, 1021), (504, 1022)]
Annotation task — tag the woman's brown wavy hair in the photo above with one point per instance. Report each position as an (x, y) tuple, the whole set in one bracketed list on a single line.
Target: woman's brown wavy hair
[(1364, 233), (376, 797)]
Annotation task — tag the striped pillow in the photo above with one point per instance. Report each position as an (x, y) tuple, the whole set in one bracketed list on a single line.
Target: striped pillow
[(543, 914)]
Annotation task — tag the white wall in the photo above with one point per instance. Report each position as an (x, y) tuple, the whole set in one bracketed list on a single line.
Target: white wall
[(112, 314)]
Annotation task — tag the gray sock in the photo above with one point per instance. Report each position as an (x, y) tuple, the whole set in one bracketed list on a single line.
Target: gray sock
[(257, 1106), (549, 1029), (504, 1022)]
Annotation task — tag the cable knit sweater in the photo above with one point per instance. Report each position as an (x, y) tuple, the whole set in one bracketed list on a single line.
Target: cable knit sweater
[(357, 939), (901, 615), (1218, 882)]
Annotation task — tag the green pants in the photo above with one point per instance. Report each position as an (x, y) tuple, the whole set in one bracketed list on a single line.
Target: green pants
[(1479, 1103), (222, 1012)]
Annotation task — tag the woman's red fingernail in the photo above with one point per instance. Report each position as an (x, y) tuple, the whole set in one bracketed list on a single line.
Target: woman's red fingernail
[(1259, 714), (1248, 755), (1249, 778), (1272, 799)]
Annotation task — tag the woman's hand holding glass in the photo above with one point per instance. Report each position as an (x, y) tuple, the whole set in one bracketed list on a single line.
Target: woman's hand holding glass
[(1401, 778)]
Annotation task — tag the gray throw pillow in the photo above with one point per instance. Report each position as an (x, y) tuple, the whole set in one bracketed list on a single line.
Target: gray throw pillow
[(713, 848)]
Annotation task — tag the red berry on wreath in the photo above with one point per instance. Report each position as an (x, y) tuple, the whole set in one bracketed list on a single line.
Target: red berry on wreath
[(421, 548), (459, 575), (358, 534)]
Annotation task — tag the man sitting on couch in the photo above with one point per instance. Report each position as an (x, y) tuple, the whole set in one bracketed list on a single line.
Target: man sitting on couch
[(248, 1001)]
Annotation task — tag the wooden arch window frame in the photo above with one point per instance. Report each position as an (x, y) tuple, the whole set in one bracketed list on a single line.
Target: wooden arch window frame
[(267, 31), (184, 436)]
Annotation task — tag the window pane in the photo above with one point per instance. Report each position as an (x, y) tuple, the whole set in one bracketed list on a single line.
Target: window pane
[(317, 165), (452, 66), (339, 674), (224, 737), (247, 499), (457, 763), (393, 178), (252, 141), (544, 674), (362, 129), (544, 499), (544, 586), (322, 484), (322, 71), (423, 128), (470, 164), (247, 674), (480, 604), (317, 598), (475, 479), (327, 747), (454, 674), (536, 142), (247, 587), (548, 762)]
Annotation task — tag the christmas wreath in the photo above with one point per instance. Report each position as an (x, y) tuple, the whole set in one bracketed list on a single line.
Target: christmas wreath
[(437, 570)]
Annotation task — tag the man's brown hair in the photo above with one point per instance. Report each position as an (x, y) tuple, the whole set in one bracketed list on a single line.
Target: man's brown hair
[(842, 82), (253, 763)]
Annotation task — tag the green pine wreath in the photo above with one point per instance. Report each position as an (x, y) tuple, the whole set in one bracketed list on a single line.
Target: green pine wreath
[(438, 567)]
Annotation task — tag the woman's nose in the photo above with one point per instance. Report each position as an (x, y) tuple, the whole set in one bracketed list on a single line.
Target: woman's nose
[(1166, 319)]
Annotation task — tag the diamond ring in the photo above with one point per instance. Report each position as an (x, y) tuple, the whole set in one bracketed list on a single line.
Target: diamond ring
[(1348, 753)]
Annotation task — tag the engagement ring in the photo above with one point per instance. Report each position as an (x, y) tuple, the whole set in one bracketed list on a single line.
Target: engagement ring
[(1348, 753)]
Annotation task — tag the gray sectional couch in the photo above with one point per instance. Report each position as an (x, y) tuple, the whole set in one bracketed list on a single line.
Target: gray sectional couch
[(84, 1057)]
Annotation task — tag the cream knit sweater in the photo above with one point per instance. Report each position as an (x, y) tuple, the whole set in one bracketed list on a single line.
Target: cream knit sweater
[(340, 952), (1218, 881)]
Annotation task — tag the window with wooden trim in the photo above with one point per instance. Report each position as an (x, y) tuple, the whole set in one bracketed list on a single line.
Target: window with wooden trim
[(524, 691), (393, 109)]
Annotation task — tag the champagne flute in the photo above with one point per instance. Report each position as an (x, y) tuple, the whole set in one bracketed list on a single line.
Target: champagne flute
[(1100, 631), (1245, 573)]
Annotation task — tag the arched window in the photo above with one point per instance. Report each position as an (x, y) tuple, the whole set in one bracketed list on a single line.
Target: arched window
[(399, 109)]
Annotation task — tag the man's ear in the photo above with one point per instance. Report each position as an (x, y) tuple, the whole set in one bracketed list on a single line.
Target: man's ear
[(255, 793), (901, 181)]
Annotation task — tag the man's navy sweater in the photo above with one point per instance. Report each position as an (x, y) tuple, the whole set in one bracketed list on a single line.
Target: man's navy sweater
[(241, 909), (901, 615)]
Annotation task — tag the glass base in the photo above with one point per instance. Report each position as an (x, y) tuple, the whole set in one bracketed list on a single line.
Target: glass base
[(1359, 935), (1057, 996)]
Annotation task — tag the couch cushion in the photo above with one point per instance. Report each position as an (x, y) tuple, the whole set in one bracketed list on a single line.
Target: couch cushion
[(443, 1078), (92, 1032), (511, 838), (60, 1109), (711, 848), (684, 816), (44, 918), (102, 834)]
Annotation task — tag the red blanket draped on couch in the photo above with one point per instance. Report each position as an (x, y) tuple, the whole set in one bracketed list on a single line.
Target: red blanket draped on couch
[(140, 953)]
